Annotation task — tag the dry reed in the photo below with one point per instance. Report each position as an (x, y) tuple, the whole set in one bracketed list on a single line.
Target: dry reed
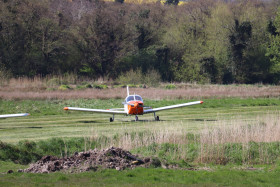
[(252, 140), (227, 141), (37, 89)]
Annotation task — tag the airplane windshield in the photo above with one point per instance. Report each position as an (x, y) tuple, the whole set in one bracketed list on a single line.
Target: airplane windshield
[(138, 98), (134, 98)]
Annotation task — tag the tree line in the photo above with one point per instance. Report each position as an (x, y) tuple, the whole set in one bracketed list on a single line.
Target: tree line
[(199, 41)]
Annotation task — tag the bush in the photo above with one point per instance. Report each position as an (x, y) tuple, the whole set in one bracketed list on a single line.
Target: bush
[(64, 87), (100, 86), (53, 82), (84, 86), (130, 77), (151, 78), (170, 86)]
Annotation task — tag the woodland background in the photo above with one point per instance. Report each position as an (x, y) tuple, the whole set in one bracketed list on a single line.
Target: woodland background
[(204, 41)]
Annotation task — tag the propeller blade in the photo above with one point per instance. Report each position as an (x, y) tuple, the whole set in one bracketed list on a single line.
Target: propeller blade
[(124, 103)]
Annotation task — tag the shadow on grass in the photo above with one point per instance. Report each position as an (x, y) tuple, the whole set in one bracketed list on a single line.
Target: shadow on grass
[(34, 127), (202, 119), (91, 121), (146, 120)]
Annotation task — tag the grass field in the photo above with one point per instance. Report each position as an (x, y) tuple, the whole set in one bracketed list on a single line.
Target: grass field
[(48, 120)]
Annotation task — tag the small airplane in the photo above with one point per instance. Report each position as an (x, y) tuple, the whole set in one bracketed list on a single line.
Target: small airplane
[(14, 115), (133, 105)]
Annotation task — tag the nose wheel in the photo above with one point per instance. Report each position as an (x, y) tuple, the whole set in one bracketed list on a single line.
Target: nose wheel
[(136, 118)]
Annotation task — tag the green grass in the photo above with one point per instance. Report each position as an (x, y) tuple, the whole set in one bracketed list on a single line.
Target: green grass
[(146, 177), (55, 107), (8, 165), (49, 120)]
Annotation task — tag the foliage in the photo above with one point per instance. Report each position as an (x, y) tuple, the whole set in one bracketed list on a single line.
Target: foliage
[(199, 41), (84, 86), (64, 87), (100, 86), (170, 86), (5, 75), (150, 78)]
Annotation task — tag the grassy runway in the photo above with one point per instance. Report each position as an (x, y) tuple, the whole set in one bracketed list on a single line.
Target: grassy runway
[(44, 123)]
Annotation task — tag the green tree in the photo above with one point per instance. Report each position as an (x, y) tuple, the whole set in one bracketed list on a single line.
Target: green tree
[(273, 51), (217, 59)]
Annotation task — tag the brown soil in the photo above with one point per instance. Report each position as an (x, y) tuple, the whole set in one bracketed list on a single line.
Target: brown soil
[(111, 158)]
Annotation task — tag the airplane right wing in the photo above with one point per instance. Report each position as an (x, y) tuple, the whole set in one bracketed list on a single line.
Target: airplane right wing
[(171, 107), (109, 111), (14, 115)]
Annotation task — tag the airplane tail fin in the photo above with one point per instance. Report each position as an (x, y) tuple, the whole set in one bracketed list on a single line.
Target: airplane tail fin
[(127, 90)]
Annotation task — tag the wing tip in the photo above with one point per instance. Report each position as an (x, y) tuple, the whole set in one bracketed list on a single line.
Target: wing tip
[(66, 108), (201, 102)]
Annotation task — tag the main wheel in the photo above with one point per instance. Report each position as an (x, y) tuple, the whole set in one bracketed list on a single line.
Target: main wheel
[(157, 119), (111, 120), (136, 118)]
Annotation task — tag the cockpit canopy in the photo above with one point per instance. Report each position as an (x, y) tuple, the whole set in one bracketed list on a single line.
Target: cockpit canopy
[(133, 98)]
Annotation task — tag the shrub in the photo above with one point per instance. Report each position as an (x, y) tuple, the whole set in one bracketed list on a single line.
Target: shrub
[(170, 86), (64, 87), (151, 78), (100, 86), (130, 77), (84, 86), (53, 82)]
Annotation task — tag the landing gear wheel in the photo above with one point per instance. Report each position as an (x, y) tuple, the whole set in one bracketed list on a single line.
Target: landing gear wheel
[(136, 118), (111, 119), (157, 118)]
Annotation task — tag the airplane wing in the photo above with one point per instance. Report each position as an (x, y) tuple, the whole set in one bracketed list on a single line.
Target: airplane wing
[(13, 115), (172, 106), (109, 111)]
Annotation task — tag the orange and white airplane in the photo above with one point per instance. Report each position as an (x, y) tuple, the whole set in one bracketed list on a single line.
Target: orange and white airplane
[(133, 105), (14, 115)]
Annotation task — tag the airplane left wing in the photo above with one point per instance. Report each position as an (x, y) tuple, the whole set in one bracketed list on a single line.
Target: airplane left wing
[(13, 115), (172, 106), (109, 111)]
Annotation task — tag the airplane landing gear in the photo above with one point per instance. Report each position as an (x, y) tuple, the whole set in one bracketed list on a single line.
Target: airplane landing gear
[(112, 119), (136, 118), (156, 117)]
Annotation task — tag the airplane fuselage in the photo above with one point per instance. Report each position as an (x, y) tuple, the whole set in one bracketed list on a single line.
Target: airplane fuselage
[(133, 105), (136, 108)]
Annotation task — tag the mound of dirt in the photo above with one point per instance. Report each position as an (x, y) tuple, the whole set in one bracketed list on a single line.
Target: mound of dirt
[(112, 158)]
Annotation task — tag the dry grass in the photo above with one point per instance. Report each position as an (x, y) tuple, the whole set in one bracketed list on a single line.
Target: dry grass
[(46, 88), (225, 141), (265, 129)]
